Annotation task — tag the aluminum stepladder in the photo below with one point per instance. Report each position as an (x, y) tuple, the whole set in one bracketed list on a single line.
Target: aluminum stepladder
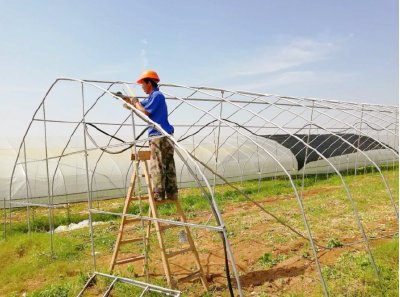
[(143, 157)]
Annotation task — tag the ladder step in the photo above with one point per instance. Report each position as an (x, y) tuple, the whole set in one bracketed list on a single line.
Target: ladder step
[(136, 198), (196, 274), (165, 227), (143, 155), (130, 240), (127, 260), (173, 254)]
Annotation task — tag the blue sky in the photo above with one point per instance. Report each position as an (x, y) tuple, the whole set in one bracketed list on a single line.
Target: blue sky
[(343, 50)]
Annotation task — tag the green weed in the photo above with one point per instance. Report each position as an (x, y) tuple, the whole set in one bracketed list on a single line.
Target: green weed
[(268, 261), (334, 242)]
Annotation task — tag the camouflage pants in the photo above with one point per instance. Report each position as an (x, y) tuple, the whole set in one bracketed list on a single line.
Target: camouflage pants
[(162, 169)]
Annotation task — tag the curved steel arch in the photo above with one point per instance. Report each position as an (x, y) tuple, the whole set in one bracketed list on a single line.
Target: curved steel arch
[(343, 182), (291, 181), (254, 151), (361, 152)]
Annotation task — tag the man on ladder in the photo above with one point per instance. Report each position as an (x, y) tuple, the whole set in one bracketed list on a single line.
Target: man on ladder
[(161, 183), (162, 164)]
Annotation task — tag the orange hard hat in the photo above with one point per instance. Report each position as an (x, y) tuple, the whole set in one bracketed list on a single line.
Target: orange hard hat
[(148, 74)]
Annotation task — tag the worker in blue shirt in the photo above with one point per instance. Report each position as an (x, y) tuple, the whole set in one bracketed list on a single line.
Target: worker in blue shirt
[(162, 164)]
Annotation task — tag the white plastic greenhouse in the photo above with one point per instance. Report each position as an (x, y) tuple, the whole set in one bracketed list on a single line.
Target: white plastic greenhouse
[(71, 151)]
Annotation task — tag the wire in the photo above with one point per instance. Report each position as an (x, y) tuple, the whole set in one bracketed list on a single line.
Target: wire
[(105, 132), (228, 274), (224, 120), (225, 251), (112, 152)]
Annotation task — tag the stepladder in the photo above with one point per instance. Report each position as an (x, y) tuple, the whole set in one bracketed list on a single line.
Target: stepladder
[(145, 228)]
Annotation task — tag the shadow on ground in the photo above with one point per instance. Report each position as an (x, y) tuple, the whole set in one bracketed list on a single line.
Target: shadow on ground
[(259, 277)]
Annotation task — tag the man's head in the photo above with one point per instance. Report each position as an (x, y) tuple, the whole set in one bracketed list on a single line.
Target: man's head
[(149, 80), (148, 85)]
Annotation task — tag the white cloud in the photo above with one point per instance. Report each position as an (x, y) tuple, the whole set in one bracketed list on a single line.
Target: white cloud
[(143, 56), (299, 51), (144, 41)]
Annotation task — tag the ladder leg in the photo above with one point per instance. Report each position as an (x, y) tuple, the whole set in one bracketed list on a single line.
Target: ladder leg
[(192, 246), (157, 224), (154, 214), (148, 231), (125, 211)]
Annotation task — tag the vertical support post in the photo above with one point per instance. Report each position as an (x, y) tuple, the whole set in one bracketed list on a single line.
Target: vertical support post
[(5, 217), (48, 182), (276, 165), (87, 179), (358, 144), (217, 144), (316, 166), (365, 166), (10, 214), (396, 135), (27, 192), (259, 168), (194, 153), (388, 141), (238, 159), (259, 171), (305, 160)]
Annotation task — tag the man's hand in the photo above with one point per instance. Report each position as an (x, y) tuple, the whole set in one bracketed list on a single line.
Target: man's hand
[(132, 101), (127, 100), (140, 107)]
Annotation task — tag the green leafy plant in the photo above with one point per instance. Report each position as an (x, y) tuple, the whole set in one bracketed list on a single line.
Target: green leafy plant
[(334, 242), (268, 261)]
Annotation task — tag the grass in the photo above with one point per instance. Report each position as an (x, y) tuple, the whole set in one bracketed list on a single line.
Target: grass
[(354, 275), (24, 257), (26, 264)]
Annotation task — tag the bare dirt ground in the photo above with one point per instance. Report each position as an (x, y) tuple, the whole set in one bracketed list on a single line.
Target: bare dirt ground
[(295, 274)]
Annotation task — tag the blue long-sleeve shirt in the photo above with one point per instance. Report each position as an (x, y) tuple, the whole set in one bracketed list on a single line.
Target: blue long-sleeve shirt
[(156, 106)]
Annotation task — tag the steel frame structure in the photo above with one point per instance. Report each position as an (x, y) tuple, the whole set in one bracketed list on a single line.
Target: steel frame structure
[(240, 143)]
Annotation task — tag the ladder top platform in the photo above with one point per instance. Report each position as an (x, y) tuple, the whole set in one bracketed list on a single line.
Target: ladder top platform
[(143, 155)]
